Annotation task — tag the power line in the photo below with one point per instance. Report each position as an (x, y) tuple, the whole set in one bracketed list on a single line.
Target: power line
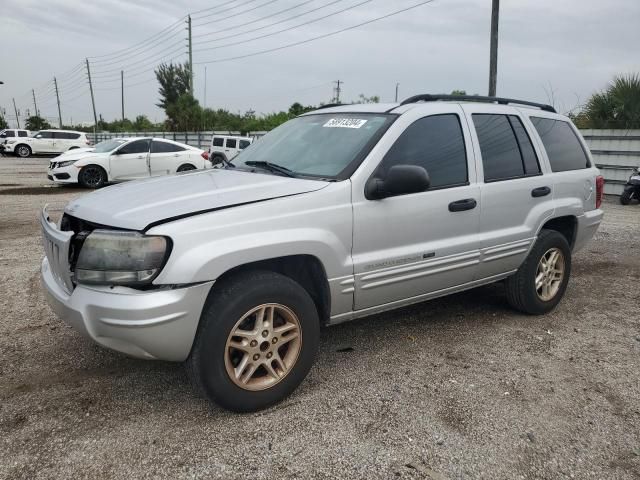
[(196, 16), (263, 18), (271, 34), (152, 37), (269, 2), (326, 35), (137, 65)]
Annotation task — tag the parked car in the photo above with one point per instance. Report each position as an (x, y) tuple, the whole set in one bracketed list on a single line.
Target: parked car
[(125, 159), (48, 141), (11, 134), (225, 147), (337, 214)]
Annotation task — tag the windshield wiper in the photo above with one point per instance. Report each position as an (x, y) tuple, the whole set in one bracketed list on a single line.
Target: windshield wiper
[(273, 167)]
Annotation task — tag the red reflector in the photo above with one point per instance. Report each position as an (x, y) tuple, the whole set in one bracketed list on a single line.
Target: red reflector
[(205, 155), (599, 190)]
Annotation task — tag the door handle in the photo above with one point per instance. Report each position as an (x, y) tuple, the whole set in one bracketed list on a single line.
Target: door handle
[(540, 191), (139, 156), (462, 205), (176, 154)]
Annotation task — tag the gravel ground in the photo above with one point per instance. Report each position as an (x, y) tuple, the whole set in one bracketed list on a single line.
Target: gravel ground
[(460, 387)]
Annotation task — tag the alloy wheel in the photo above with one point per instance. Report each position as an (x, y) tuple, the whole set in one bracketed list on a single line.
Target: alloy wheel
[(92, 177), (549, 274), (263, 346)]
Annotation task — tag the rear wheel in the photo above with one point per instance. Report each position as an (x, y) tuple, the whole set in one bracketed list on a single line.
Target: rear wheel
[(256, 342), (540, 282), (185, 167), (23, 151), (92, 176), (625, 198)]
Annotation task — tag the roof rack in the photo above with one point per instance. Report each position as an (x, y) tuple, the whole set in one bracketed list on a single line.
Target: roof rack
[(329, 105), (476, 98)]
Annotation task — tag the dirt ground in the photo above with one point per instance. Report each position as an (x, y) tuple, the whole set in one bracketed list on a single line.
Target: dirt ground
[(460, 387)]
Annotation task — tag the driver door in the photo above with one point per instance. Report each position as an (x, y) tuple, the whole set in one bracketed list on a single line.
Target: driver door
[(411, 245), (130, 161)]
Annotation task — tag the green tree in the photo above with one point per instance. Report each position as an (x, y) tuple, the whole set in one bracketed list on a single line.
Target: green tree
[(363, 99), (3, 122), (36, 122), (458, 92), (298, 109), (618, 106), (184, 114), (142, 124), (174, 82)]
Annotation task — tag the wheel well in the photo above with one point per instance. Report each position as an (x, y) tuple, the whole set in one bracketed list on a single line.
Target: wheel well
[(22, 145), (73, 148), (187, 165), (306, 270), (106, 175), (567, 226)]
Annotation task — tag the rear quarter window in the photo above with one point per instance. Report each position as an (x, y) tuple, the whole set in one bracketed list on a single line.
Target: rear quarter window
[(563, 148)]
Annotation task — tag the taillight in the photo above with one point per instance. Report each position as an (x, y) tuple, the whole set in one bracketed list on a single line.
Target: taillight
[(599, 190), (205, 155)]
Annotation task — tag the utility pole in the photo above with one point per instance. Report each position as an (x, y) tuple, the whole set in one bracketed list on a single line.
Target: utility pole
[(190, 58), (15, 109), (55, 84), (337, 91), (93, 102), (122, 90), (397, 85), (493, 56), (35, 105)]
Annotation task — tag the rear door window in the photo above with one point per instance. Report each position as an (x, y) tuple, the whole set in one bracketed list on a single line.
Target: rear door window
[(231, 143), (506, 149), (563, 148), (218, 142), (165, 147), (244, 144), (22, 134)]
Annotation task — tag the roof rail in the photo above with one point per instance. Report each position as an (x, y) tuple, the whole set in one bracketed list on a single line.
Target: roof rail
[(329, 105), (476, 98)]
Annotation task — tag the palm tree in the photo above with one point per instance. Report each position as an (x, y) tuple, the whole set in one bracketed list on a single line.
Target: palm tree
[(616, 107)]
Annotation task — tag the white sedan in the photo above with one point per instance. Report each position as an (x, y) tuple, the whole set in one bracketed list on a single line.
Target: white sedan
[(123, 159)]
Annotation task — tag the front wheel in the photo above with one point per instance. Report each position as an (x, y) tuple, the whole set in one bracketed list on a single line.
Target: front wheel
[(625, 198), (540, 282), (185, 168), (256, 342), (92, 176), (23, 151)]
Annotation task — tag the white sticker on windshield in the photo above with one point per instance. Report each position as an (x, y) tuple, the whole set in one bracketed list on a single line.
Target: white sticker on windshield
[(345, 123)]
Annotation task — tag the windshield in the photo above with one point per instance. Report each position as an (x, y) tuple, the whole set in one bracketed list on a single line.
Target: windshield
[(316, 145), (108, 145)]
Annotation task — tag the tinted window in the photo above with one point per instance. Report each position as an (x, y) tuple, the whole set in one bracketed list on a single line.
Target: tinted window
[(500, 153), (22, 134), (165, 147), (231, 143), (65, 135), (561, 143), (10, 133), (45, 134), (138, 146), (529, 157), (218, 142), (434, 143), (244, 144)]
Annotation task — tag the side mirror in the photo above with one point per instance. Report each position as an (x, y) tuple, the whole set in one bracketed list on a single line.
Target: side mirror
[(38, 136), (400, 180)]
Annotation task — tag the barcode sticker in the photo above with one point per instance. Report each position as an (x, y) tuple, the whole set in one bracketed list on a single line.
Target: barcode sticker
[(345, 123)]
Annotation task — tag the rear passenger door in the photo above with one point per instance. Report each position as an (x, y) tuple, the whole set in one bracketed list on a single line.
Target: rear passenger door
[(230, 147), (166, 157), (516, 196)]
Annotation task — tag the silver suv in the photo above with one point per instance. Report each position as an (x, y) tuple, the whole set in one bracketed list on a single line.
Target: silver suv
[(337, 214)]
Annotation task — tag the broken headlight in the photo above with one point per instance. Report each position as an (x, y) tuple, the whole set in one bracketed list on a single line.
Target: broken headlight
[(120, 258)]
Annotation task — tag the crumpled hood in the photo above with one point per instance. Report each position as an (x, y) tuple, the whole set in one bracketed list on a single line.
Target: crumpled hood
[(135, 205)]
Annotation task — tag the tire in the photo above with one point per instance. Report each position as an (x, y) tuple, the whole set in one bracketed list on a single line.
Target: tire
[(521, 290), (216, 159), (213, 360), (625, 198), (23, 151), (185, 168), (92, 176), (72, 148)]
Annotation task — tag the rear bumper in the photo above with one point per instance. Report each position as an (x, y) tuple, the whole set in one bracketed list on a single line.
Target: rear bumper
[(158, 324), (587, 226), (6, 148)]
